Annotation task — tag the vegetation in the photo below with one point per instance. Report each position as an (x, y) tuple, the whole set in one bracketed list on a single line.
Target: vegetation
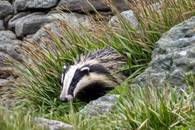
[(145, 109), (15, 121), (138, 108)]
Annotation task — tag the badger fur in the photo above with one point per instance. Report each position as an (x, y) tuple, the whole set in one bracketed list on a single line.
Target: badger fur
[(92, 75)]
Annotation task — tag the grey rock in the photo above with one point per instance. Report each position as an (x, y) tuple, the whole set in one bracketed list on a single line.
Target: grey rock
[(22, 5), (100, 106), (2, 25), (90, 5), (26, 24), (126, 15), (14, 19), (72, 19), (42, 33), (5, 9), (7, 36), (29, 24), (10, 45), (10, 51), (52, 124), (172, 58)]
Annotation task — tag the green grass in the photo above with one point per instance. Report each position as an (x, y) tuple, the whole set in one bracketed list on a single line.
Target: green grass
[(138, 108), (10, 120), (145, 109)]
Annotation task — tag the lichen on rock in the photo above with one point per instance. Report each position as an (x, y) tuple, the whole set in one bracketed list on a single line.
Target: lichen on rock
[(173, 57)]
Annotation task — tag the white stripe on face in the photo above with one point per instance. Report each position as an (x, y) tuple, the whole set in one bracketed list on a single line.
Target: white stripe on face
[(67, 80)]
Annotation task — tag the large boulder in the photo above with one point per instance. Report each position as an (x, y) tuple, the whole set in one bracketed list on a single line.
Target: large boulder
[(5, 9), (22, 5), (90, 5), (15, 18), (24, 24), (72, 19), (173, 57), (100, 106)]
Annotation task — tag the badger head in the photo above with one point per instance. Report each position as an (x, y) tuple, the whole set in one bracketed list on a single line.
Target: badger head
[(85, 82)]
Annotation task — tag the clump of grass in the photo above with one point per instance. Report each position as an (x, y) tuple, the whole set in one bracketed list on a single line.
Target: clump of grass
[(16, 121), (146, 108), (151, 108), (42, 78)]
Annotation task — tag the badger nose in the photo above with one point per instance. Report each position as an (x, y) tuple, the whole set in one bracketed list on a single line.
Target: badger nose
[(66, 98)]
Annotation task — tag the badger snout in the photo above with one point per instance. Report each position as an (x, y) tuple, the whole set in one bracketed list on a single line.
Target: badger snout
[(66, 98)]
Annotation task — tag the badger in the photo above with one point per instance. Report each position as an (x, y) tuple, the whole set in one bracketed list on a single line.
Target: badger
[(92, 75)]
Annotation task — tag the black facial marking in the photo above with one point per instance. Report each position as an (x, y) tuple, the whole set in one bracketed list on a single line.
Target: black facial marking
[(77, 77), (99, 69), (93, 91), (96, 68)]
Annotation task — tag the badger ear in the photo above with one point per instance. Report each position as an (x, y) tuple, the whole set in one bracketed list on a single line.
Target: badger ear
[(85, 69)]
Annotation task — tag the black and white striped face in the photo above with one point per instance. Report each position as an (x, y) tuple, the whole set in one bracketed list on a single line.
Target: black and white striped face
[(77, 77)]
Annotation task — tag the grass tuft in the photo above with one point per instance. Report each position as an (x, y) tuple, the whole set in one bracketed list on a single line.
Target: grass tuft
[(16, 121)]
